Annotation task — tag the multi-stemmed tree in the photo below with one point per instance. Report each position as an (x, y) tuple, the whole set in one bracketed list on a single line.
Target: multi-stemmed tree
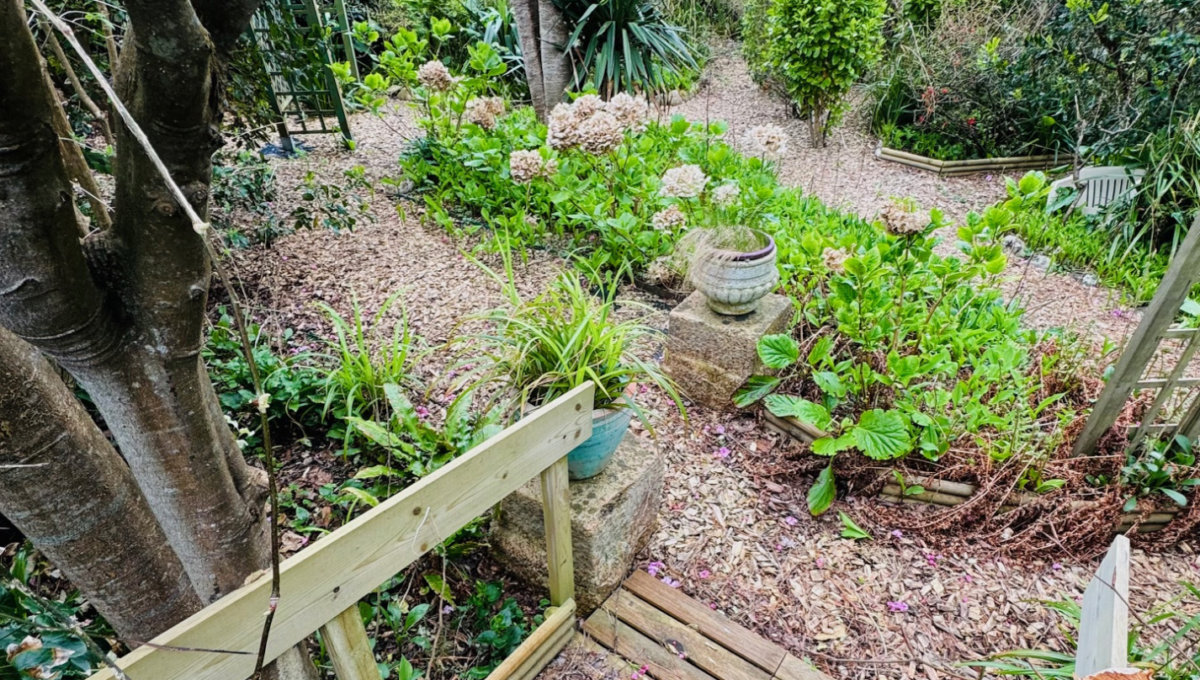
[(543, 31), (176, 518)]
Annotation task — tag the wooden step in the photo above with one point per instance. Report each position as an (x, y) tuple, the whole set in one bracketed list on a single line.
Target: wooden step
[(649, 623)]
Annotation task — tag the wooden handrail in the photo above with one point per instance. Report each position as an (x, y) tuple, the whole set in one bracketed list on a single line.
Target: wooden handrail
[(320, 585)]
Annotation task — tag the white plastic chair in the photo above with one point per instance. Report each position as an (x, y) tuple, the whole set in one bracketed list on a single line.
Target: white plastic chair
[(1098, 186)]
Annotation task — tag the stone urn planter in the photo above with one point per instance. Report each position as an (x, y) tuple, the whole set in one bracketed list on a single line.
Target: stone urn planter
[(593, 455), (734, 282)]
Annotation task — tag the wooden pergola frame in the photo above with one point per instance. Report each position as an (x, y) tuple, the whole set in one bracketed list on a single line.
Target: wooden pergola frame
[(320, 587)]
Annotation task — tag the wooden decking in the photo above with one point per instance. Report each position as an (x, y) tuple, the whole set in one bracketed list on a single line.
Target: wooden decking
[(649, 623)]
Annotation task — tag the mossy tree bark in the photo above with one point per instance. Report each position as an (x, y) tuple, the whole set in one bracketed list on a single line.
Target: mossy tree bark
[(123, 310)]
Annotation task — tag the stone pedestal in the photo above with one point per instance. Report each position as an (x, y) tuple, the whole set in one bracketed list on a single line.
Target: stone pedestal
[(612, 518), (710, 355)]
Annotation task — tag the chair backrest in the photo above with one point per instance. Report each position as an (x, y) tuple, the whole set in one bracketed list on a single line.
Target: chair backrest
[(1098, 186)]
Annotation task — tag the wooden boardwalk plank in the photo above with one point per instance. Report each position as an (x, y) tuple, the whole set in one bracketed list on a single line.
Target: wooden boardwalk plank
[(758, 651), (660, 627), (621, 638), (795, 669)]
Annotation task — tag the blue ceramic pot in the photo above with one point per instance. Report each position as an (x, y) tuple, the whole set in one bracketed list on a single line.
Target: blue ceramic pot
[(592, 456)]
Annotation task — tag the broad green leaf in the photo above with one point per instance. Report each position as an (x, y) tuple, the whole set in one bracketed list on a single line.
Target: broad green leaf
[(851, 530), (374, 431), (785, 406), (376, 471), (778, 351), (830, 446), (757, 387), (360, 495), (415, 614), (882, 435), (822, 493), (830, 384), (1174, 495), (438, 585)]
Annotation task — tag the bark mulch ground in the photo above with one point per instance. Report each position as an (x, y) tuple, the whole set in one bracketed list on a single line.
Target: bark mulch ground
[(734, 530)]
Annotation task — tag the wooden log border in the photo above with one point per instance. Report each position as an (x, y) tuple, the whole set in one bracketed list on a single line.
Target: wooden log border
[(942, 493), (960, 168)]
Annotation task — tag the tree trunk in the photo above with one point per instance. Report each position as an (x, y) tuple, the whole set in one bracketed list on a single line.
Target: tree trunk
[(543, 31), (556, 63), (69, 492), (525, 14), (124, 313)]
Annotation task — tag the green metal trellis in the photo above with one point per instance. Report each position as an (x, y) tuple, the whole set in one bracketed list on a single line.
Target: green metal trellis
[(1175, 407), (297, 46)]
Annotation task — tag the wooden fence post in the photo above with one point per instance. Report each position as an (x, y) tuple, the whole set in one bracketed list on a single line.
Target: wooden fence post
[(349, 647), (1104, 617), (556, 512)]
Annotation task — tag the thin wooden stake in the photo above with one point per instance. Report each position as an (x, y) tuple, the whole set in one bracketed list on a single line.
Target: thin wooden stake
[(556, 510), (1104, 617), (349, 647)]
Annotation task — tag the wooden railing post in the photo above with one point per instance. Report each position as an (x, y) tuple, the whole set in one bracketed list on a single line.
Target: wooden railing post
[(556, 512), (1104, 616), (349, 647)]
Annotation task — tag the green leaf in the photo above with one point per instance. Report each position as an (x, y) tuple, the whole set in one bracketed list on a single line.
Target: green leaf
[(438, 585), (785, 406), (360, 495), (376, 471), (757, 387), (1174, 495), (374, 431), (415, 615), (851, 530), (829, 446), (882, 435), (822, 493), (830, 384), (778, 351)]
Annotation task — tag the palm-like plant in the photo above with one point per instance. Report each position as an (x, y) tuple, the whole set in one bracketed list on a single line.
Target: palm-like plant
[(625, 44)]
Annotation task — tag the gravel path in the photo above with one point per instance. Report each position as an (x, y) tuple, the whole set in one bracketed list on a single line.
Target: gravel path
[(847, 174), (733, 535)]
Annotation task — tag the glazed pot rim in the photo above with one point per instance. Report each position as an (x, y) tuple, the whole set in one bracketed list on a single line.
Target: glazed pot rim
[(763, 252)]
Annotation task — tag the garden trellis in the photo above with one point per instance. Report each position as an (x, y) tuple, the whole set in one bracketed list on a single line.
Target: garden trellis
[(297, 49), (1175, 408)]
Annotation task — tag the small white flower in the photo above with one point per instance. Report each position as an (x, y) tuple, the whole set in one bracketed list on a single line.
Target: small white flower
[(483, 111), (630, 111), (669, 219), (685, 181), (767, 141), (726, 194), (435, 76), (835, 260)]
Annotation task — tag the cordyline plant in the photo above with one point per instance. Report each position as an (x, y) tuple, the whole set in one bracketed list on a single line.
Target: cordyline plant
[(177, 518)]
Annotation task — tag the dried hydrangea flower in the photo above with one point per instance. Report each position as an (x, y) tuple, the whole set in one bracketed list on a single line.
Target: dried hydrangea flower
[(483, 111), (523, 166), (685, 181), (587, 105), (726, 194), (767, 141), (435, 76), (669, 218), (900, 221), (600, 133), (835, 260), (563, 127), (629, 110)]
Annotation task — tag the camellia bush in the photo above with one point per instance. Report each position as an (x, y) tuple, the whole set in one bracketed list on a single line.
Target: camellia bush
[(814, 50)]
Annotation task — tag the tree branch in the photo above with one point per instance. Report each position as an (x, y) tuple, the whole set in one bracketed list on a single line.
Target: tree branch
[(47, 294), (225, 19)]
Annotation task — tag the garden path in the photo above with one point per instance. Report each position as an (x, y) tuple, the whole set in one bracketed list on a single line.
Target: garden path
[(733, 533), (847, 174)]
